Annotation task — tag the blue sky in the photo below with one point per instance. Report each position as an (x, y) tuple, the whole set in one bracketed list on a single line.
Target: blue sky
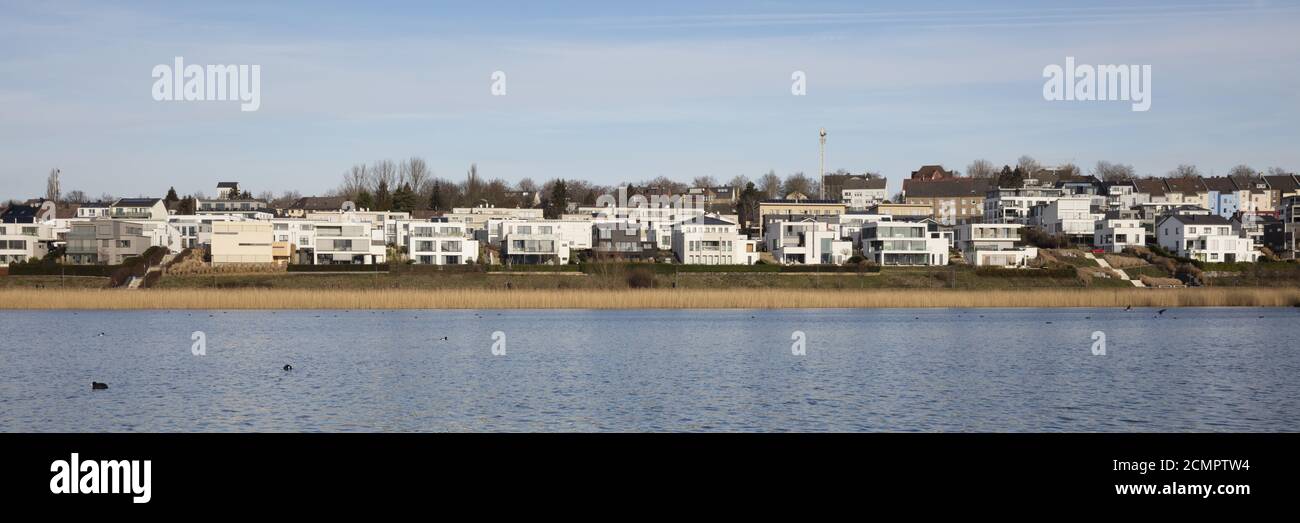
[(611, 92)]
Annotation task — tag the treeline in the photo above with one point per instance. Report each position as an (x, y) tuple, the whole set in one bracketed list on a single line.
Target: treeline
[(1103, 170), (409, 185)]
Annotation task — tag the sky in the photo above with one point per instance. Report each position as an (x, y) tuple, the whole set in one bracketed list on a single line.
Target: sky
[(618, 91)]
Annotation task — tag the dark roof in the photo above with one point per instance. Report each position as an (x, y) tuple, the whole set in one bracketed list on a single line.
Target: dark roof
[(1185, 185), (948, 187), (67, 210), (318, 203), (1152, 186), (1201, 219), (20, 213), (865, 183), (1284, 183), (136, 202), (1221, 184), (227, 185), (931, 172), (709, 220)]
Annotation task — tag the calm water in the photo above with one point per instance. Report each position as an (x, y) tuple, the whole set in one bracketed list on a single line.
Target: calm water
[(865, 370)]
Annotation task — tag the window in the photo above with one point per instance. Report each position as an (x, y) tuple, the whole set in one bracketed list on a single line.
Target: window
[(125, 244)]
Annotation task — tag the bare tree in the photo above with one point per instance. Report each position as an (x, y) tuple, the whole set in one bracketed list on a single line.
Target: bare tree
[(355, 180), (1242, 171), (739, 181), (1028, 165), (52, 189), (800, 183), (383, 173), (76, 196), (528, 185), (704, 181), (1184, 171), (1276, 171), (981, 168), (415, 171), (1113, 172), (770, 185), (1069, 169)]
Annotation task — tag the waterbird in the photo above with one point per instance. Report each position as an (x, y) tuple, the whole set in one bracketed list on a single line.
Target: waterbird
[(1128, 308), (1161, 311), (288, 367), (95, 385)]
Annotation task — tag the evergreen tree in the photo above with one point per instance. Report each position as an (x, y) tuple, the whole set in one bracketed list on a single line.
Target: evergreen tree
[(559, 202), (437, 201), (364, 200)]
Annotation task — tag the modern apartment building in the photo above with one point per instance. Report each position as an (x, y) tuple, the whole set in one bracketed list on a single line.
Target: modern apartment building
[(992, 244), (904, 243), (236, 242), (1208, 238), (711, 241), (440, 243)]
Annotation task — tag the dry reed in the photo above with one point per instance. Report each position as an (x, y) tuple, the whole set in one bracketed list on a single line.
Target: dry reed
[(637, 299)]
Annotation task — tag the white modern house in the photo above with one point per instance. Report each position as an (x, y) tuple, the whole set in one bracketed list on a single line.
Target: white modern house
[(903, 243), (138, 209), (1208, 238), (1118, 231), (806, 241), (248, 209), (992, 244), (349, 243), (20, 242), (1069, 216), (440, 243), (711, 241)]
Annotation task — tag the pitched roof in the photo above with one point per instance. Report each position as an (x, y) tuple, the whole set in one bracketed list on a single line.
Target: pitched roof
[(20, 212), (227, 185), (931, 172), (946, 187), (1185, 185), (136, 202), (1221, 184), (1201, 219), (709, 220), (318, 203), (1284, 183), (865, 183), (1152, 186)]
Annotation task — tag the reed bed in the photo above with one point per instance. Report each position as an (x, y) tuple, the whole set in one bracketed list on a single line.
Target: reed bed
[(638, 299)]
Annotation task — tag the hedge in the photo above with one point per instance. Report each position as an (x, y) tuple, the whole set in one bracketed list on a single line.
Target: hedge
[(1001, 272), (23, 269), (382, 267)]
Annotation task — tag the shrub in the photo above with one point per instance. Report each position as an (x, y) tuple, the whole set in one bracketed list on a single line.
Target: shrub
[(640, 278)]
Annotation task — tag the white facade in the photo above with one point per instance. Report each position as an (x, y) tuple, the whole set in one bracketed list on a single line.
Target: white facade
[(440, 243), (903, 243), (861, 199), (1116, 234), (1206, 238), (20, 242), (807, 242), (349, 243), (992, 244), (1069, 215), (713, 242)]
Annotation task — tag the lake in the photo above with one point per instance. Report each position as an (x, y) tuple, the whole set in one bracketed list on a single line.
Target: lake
[(1211, 369)]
